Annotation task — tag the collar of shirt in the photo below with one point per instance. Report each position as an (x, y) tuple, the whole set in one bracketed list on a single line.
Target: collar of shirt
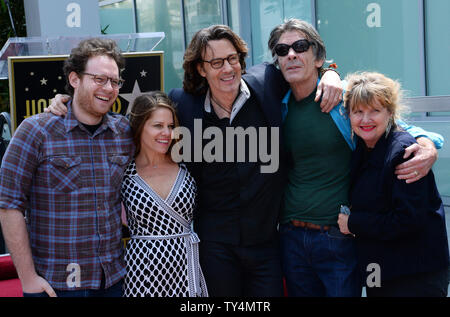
[(377, 155), (338, 114), (244, 95), (70, 121)]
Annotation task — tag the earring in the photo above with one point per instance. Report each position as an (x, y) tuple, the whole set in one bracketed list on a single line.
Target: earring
[(388, 127), (352, 134)]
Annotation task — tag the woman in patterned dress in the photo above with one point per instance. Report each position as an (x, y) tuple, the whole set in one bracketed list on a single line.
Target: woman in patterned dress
[(159, 199)]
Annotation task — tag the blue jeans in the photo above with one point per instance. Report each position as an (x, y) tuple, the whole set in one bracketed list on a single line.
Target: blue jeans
[(319, 263), (115, 290)]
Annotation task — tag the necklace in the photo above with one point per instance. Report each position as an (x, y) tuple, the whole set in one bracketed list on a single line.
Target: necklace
[(220, 106)]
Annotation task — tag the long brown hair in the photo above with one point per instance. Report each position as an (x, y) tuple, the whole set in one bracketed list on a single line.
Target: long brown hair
[(193, 82), (143, 108)]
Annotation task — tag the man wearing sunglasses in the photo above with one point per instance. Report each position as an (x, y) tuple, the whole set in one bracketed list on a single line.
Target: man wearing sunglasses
[(317, 259), (66, 173)]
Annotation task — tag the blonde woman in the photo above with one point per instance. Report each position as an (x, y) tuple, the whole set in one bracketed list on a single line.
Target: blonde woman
[(399, 227)]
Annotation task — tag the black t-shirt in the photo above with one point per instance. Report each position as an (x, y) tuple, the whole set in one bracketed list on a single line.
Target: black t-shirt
[(92, 128), (235, 198)]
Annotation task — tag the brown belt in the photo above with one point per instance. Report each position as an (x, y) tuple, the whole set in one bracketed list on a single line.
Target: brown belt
[(309, 225)]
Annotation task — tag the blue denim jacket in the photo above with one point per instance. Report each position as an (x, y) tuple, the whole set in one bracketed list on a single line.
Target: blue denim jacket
[(342, 121)]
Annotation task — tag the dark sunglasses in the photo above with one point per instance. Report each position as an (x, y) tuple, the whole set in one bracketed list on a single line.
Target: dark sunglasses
[(299, 46)]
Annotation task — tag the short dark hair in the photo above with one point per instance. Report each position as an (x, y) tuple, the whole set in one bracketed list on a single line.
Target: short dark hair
[(306, 28), (86, 49), (193, 83)]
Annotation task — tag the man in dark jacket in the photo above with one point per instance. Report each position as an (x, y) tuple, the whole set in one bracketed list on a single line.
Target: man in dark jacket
[(239, 203)]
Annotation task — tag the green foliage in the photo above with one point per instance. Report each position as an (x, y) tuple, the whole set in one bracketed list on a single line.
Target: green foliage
[(6, 31), (4, 96)]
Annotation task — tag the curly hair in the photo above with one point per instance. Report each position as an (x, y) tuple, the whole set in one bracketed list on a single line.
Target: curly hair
[(86, 49), (193, 82)]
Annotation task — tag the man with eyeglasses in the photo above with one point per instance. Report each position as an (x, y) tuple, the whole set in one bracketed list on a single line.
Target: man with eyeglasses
[(66, 173), (317, 259), (238, 206)]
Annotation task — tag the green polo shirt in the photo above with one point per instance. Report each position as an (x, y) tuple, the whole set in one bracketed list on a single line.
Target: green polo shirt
[(319, 174)]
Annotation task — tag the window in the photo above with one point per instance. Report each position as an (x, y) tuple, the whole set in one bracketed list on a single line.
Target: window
[(382, 35), (264, 16), (165, 16), (200, 14), (437, 26), (113, 11)]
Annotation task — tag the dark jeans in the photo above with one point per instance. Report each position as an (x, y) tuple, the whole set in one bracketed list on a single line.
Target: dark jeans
[(114, 291), (319, 263), (241, 271), (430, 284)]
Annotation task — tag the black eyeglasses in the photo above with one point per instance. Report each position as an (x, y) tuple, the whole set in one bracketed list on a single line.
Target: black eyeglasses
[(299, 46), (217, 63), (101, 80)]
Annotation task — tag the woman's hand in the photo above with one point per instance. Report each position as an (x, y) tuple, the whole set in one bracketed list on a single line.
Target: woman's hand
[(343, 223)]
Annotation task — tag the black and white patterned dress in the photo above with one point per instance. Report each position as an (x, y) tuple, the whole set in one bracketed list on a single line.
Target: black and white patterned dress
[(162, 254)]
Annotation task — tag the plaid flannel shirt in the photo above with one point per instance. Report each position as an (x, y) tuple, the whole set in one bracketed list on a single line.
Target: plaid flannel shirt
[(68, 181)]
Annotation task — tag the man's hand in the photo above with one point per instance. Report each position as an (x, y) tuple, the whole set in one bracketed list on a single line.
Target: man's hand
[(425, 154), (331, 86), (57, 105), (36, 284), (17, 240)]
